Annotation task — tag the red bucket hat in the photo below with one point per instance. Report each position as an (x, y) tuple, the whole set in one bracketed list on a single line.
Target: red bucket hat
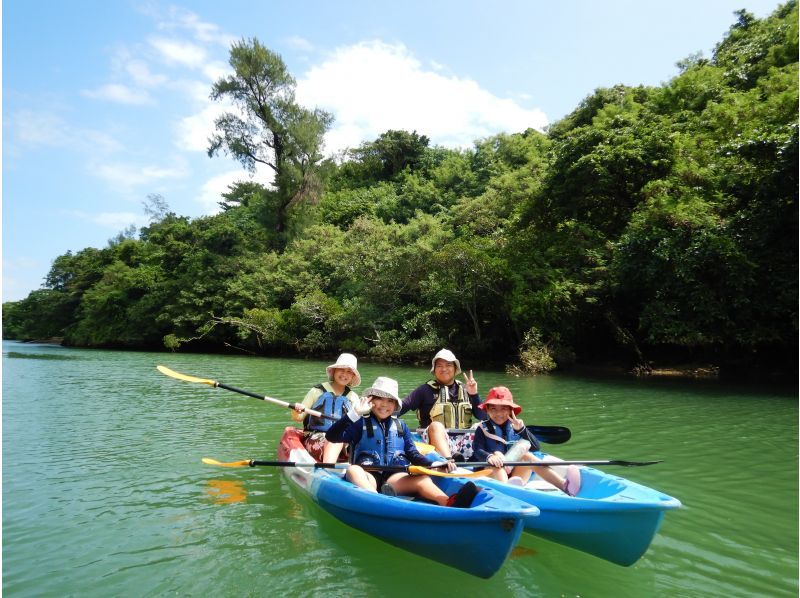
[(500, 395)]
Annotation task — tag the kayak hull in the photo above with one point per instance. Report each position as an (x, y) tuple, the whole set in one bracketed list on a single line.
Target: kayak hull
[(476, 540), (611, 517)]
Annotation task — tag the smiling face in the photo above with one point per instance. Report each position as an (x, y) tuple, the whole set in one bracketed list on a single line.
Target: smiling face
[(499, 414), (382, 407), (342, 376), (444, 371)]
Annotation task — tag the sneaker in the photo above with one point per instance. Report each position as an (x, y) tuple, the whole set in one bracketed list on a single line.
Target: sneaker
[(516, 481), (572, 485), (463, 498), (388, 490)]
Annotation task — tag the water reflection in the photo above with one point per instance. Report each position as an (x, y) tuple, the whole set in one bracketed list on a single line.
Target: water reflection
[(224, 492)]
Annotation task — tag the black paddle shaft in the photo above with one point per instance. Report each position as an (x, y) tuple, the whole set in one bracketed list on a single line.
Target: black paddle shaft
[(262, 397)]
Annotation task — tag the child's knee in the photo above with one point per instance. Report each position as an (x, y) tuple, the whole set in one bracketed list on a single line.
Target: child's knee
[(436, 427)]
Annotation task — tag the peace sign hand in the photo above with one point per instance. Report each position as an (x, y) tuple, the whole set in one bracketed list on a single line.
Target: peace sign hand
[(472, 385), (516, 424)]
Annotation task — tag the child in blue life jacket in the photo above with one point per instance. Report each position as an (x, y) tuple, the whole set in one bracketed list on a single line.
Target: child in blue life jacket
[(494, 438), (378, 438), (333, 398)]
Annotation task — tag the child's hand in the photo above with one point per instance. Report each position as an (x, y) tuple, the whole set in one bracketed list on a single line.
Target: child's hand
[(516, 424), (364, 406), (472, 385), (299, 407), (449, 465), (496, 459)]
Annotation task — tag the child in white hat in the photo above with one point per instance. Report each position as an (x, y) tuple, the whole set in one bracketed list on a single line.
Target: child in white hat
[(332, 398), (380, 438)]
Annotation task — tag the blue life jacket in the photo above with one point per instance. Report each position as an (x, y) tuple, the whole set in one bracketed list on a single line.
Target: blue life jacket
[(498, 438), (329, 404), (377, 447)]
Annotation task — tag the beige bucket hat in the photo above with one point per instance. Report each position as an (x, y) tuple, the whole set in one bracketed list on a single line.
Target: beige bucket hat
[(346, 361), (384, 387), (447, 355)]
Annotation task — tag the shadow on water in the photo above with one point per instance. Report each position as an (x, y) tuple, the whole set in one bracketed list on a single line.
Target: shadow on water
[(45, 356)]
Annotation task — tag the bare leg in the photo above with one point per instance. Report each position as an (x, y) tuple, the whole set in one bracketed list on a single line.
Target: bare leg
[(523, 472), (421, 485), (548, 475), (437, 436), (358, 476), (498, 473), (330, 454)]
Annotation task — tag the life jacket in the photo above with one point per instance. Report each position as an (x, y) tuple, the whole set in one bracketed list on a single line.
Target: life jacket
[(329, 404), (498, 438), (456, 414), (377, 447)]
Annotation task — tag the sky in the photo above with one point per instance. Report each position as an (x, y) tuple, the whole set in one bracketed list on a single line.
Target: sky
[(106, 102)]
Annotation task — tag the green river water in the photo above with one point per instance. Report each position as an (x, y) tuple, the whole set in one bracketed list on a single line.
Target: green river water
[(104, 493)]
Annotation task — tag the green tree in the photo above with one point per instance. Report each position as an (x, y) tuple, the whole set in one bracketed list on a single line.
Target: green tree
[(269, 127)]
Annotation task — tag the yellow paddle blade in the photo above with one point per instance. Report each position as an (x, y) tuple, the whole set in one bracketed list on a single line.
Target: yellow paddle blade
[(419, 470), (173, 374), (424, 448), (209, 461)]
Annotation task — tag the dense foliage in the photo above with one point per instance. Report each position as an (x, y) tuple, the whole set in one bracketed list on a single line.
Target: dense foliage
[(650, 224)]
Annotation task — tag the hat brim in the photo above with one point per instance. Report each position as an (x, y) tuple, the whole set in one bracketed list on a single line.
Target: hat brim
[(339, 366), (376, 392), (514, 407)]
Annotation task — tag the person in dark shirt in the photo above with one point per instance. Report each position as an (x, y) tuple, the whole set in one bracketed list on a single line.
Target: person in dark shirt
[(445, 403), (503, 431)]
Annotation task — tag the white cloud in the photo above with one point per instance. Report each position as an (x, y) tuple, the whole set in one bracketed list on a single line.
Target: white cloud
[(180, 18), (193, 131), (20, 276), (117, 220), (140, 72), (298, 43), (32, 128), (373, 86), (122, 94), (127, 177), (211, 191), (176, 52)]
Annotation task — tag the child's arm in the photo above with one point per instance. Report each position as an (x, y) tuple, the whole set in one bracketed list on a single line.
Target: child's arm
[(479, 452), (348, 428), (410, 449), (524, 433), (311, 396)]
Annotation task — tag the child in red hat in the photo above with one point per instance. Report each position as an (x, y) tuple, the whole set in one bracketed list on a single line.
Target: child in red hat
[(494, 437)]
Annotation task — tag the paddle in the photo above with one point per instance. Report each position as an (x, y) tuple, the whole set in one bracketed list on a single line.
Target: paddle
[(487, 465), (548, 434), (420, 470), (214, 384), (551, 434), (412, 469)]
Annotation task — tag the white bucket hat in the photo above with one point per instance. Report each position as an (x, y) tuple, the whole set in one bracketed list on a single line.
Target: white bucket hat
[(383, 387), (447, 355), (346, 361)]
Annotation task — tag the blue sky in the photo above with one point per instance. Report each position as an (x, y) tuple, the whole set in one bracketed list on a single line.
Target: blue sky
[(106, 101)]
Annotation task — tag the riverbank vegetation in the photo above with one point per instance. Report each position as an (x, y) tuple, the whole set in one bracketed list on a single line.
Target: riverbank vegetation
[(652, 225)]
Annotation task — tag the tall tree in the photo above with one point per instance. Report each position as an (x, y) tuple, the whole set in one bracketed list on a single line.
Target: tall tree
[(269, 127)]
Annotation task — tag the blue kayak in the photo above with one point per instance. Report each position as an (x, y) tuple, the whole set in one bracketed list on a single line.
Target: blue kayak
[(611, 517), (476, 540)]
